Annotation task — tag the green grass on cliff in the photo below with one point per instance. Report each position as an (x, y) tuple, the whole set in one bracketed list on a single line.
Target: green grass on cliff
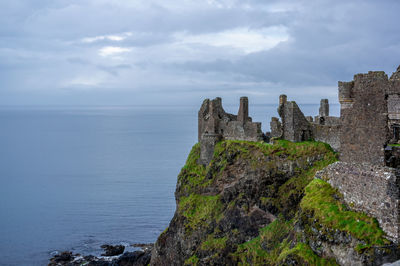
[(212, 243), (265, 248), (273, 247), (200, 210), (282, 148), (193, 176), (322, 202), (292, 191), (297, 201)]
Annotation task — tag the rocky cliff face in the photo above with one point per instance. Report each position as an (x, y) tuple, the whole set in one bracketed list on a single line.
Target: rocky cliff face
[(257, 203)]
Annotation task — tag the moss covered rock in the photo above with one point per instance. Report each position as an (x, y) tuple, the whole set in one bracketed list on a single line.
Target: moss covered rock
[(259, 204), (246, 187)]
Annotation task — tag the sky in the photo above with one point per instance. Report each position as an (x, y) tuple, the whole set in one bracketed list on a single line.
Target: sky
[(170, 52)]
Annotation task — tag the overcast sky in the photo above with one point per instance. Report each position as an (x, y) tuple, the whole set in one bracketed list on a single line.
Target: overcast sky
[(128, 52)]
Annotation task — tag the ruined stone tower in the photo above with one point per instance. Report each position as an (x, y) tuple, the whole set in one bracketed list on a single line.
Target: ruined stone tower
[(324, 108), (364, 119), (215, 125), (294, 125)]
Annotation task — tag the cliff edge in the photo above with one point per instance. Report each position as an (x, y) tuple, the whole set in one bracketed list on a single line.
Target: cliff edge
[(258, 203)]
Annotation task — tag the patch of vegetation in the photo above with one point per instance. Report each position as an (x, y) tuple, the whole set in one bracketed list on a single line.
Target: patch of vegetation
[(272, 247), (193, 175), (394, 145), (200, 210), (278, 243), (193, 260), (282, 148), (322, 202), (304, 254), (265, 248), (212, 243), (292, 191)]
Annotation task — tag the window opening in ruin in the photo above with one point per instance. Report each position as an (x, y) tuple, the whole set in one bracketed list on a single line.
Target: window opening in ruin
[(396, 132), (322, 120)]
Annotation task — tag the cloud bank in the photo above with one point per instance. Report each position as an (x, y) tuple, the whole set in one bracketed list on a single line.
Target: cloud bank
[(180, 52)]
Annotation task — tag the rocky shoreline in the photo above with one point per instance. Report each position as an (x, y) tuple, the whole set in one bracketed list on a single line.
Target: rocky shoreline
[(113, 255)]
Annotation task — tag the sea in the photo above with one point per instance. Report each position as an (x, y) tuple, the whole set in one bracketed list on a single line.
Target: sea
[(76, 177)]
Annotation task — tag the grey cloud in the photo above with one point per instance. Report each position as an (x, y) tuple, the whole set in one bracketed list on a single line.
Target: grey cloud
[(329, 42), (41, 49), (114, 70)]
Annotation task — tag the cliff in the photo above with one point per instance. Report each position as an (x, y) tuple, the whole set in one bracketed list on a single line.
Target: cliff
[(257, 203)]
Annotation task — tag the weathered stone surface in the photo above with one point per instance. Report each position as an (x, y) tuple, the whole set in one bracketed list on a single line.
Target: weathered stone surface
[(296, 127), (368, 188), (276, 128), (294, 124), (214, 124), (364, 124), (328, 134), (324, 108)]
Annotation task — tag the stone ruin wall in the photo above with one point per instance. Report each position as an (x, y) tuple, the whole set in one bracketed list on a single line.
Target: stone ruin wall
[(214, 125), (296, 127), (327, 133), (393, 101), (370, 112), (370, 189), (369, 109), (364, 120), (370, 118)]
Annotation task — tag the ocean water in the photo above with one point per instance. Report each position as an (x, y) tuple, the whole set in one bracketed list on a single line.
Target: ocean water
[(74, 178)]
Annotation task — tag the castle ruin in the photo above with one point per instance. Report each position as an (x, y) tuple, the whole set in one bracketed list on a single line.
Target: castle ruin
[(215, 125), (294, 126), (366, 136)]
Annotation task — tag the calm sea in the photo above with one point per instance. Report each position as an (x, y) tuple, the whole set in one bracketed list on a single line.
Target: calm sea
[(74, 178)]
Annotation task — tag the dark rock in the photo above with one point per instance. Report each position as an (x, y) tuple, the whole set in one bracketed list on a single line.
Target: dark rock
[(112, 250), (62, 259), (136, 258)]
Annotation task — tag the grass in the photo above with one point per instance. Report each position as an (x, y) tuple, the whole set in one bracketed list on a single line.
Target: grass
[(192, 175), (281, 148), (320, 204), (302, 252), (200, 210), (193, 260), (394, 145), (212, 243), (265, 248), (272, 247), (321, 201), (292, 191)]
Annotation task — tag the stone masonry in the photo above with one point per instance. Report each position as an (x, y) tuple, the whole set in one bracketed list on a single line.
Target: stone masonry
[(368, 188), (294, 126), (215, 125), (366, 135), (364, 119), (368, 172)]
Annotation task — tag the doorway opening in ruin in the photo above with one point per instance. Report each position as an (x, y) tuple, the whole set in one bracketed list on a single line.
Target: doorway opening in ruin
[(305, 135)]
